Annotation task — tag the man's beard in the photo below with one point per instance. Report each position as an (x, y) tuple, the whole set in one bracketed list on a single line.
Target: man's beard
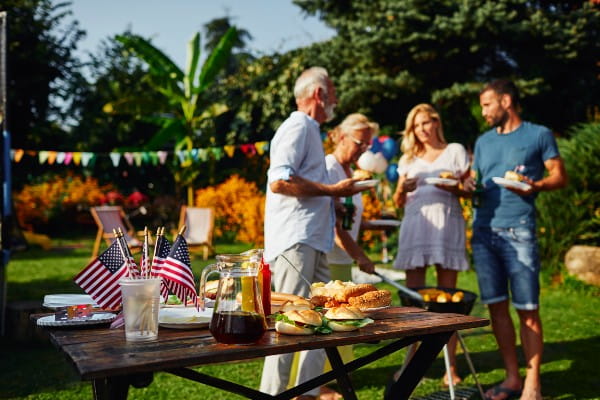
[(499, 121), (329, 111)]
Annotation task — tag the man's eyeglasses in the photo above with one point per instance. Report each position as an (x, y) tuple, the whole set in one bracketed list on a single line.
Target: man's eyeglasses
[(360, 143)]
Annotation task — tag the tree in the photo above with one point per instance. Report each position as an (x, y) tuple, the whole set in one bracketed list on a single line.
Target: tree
[(390, 55), (185, 93), (41, 41)]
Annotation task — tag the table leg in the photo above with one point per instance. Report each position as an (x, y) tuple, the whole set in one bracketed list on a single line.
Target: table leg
[(428, 350), (341, 375), (115, 388)]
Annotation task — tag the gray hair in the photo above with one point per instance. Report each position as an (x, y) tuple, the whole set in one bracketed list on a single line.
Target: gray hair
[(309, 80)]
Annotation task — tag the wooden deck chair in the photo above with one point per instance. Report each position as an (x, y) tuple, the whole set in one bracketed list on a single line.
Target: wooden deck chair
[(199, 224), (108, 218)]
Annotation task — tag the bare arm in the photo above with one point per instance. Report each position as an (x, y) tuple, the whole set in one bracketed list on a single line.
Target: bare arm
[(346, 242), (404, 186), (299, 187)]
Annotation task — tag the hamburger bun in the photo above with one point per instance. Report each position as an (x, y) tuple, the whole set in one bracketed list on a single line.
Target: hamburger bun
[(513, 176), (296, 305), (298, 322), (345, 319), (374, 299), (362, 174), (447, 175)]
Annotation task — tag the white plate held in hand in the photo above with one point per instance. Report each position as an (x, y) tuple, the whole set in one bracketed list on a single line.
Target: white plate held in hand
[(507, 183), (369, 183), (441, 181)]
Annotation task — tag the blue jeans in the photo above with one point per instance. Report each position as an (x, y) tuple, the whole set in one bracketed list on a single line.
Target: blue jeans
[(507, 257)]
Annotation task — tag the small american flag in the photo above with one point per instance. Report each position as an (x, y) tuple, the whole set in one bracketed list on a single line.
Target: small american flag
[(177, 270), (161, 252), (144, 262), (100, 279)]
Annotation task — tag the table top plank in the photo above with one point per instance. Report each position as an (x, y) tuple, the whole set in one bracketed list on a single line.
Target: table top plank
[(102, 352)]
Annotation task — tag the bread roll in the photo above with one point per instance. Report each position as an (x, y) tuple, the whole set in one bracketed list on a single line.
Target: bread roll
[(447, 175), (361, 174), (373, 299), (305, 322), (298, 304), (513, 176)]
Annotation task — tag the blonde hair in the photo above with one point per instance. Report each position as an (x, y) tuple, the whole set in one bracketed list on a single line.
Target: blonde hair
[(353, 122), (411, 146)]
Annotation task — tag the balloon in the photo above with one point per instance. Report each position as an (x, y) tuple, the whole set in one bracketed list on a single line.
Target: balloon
[(389, 148), (383, 138), (392, 172), (375, 146), (366, 161), (380, 163)]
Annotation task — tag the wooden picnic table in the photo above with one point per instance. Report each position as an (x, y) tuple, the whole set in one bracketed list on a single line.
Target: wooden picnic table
[(102, 355)]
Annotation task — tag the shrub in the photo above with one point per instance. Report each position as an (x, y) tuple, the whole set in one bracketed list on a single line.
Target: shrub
[(239, 210), (56, 201), (572, 215)]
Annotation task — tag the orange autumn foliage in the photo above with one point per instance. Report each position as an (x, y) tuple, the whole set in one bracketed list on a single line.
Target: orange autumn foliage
[(239, 209)]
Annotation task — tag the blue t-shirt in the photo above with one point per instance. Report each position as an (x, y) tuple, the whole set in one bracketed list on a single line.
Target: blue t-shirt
[(528, 146)]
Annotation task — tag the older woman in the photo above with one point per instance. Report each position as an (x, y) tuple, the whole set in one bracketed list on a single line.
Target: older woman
[(352, 138), (433, 227)]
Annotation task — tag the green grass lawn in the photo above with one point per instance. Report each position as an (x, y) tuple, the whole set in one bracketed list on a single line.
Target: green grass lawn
[(570, 312)]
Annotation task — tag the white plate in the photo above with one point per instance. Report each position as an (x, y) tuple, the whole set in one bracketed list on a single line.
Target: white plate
[(184, 317), (512, 184), (440, 181), (369, 183), (97, 318), (64, 300), (384, 222)]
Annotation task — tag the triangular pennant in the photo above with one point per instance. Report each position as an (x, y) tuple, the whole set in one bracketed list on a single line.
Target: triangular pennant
[(248, 149), (261, 147), (146, 159), (153, 158), (60, 157), (85, 158), (51, 157), (203, 154), (115, 158), (42, 156), (18, 155), (77, 157), (229, 149), (137, 156), (216, 152), (129, 158), (194, 153), (181, 155), (68, 157), (162, 156), (92, 160)]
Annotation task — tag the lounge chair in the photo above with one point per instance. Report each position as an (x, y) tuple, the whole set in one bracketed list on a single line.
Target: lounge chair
[(108, 218), (199, 224)]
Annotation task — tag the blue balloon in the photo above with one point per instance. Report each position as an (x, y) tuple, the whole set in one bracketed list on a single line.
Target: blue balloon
[(392, 172), (389, 149), (375, 145)]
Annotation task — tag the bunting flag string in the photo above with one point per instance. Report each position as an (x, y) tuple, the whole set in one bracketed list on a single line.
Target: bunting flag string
[(185, 158)]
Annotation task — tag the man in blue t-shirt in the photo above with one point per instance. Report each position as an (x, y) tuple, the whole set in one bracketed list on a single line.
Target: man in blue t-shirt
[(504, 241)]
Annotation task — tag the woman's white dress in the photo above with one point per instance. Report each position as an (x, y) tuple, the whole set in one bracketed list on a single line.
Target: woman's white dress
[(433, 227)]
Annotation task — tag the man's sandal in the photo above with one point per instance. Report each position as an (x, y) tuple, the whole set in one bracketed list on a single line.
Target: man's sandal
[(510, 393)]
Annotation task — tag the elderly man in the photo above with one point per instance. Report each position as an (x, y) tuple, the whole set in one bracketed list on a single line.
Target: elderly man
[(504, 240), (299, 213)]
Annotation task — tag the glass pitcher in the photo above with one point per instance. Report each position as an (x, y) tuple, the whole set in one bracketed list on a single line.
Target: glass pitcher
[(238, 316)]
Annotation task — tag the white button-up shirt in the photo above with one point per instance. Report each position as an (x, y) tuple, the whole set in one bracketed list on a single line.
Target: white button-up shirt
[(297, 149)]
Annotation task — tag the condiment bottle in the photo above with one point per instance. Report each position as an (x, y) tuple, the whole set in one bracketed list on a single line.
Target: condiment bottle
[(348, 217), (264, 279)]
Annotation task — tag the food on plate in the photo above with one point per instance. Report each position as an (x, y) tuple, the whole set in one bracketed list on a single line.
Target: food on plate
[(447, 175), (514, 176), (440, 296), (344, 319), (319, 301), (362, 174), (340, 291), (298, 322), (372, 299), (297, 304)]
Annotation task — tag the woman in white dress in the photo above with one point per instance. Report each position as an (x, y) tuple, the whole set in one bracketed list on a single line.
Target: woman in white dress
[(433, 227)]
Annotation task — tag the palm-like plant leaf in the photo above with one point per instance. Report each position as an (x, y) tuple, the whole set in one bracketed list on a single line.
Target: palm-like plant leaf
[(216, 60), (173, 130), (193, 55)]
